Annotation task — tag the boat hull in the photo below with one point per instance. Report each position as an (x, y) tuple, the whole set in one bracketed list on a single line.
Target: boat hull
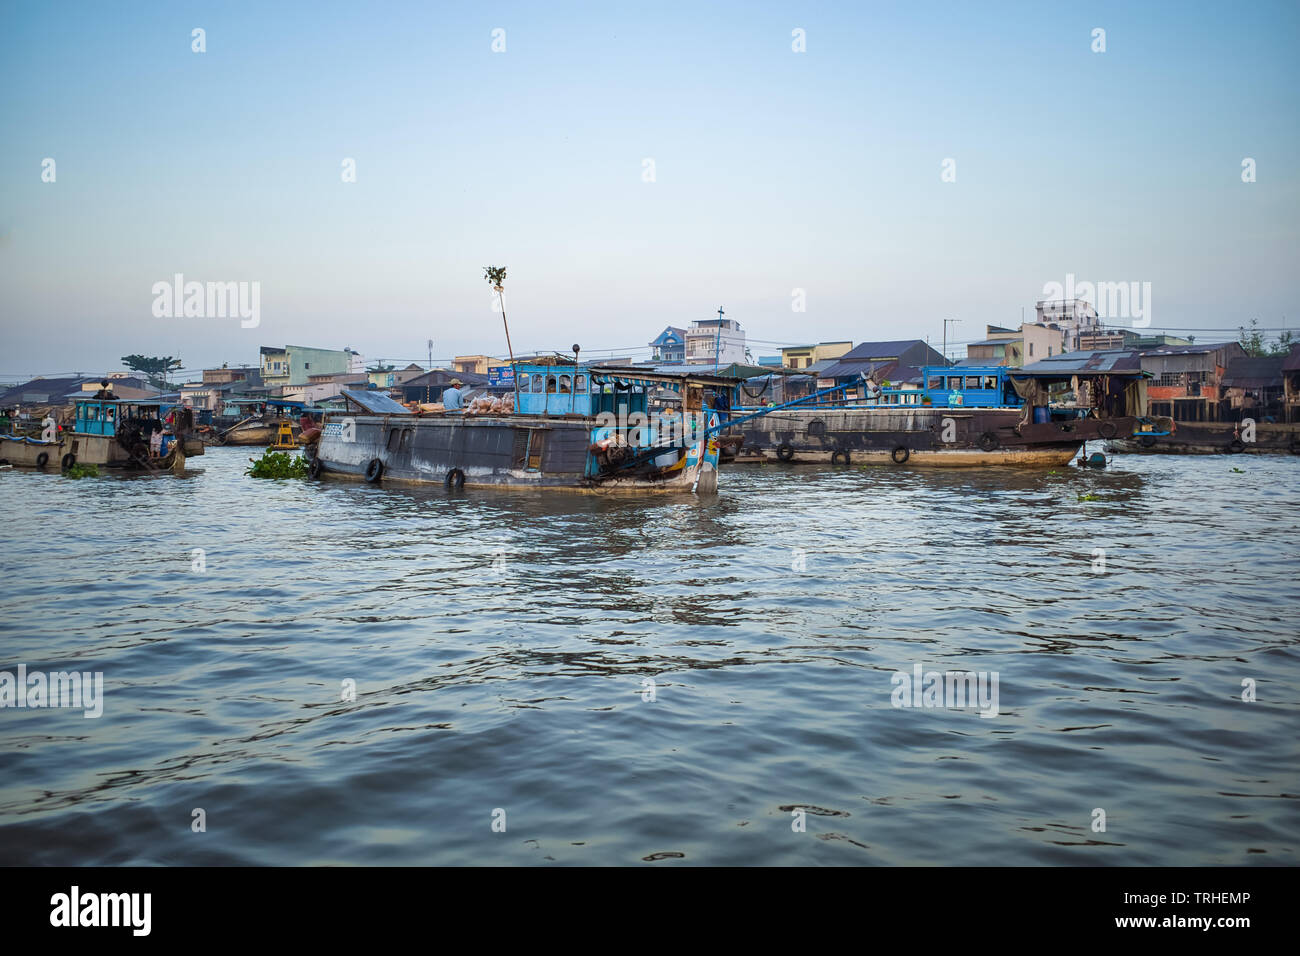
[(919, 435), (251, 435), (488, 452), (27, 452), (1216, 438)]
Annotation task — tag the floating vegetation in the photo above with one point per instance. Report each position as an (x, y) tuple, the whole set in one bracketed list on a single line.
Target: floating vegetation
[(82, 471), (1088, 497), (278, 464)]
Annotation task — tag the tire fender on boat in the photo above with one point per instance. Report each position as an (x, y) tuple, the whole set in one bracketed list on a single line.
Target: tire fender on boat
[(455, 479), (784, 452), (900, 454), (68, 461), (41, 459), (988, 441), (1107, 429), (1236, 446), (837, 454), (374, 470), (314, 467)]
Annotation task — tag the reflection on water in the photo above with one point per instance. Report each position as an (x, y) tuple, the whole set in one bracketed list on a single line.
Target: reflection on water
[(670, 680)]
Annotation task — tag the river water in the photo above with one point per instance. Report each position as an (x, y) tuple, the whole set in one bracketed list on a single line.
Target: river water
[(569, 679)]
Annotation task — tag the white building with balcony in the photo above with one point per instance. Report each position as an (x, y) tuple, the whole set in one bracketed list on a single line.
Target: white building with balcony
[(717, 342), (1074, 317)]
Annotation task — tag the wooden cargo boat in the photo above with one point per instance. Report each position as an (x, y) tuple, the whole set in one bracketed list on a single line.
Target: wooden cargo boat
[(1218, 438), (963, 416), (593, 429)]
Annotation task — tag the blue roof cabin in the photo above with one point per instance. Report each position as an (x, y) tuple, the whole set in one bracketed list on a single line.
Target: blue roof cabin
[(969, 386), (100, 416)]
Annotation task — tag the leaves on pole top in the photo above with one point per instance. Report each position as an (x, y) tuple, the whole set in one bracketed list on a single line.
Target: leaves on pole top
[(495, 275)]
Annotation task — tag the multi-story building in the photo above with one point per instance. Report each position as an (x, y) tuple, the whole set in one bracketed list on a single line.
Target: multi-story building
[(999, 347), (1187, 381), (1074, 317), (475, 364), (669, 348), (717, 341), (806, 356), (295, 364)]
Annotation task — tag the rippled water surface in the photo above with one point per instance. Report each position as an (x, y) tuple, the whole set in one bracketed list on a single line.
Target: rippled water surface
[(502, 645)]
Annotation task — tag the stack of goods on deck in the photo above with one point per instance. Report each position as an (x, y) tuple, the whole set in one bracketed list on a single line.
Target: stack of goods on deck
[(487, 405)]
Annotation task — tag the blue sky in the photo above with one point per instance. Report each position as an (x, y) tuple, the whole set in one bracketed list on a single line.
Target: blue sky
[(774, 170)]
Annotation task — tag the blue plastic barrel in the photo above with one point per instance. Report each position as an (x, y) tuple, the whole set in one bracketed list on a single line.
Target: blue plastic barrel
[(1041, 415)]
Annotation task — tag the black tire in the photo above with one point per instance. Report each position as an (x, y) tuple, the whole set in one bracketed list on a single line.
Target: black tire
[(1147, 441), (455, 479), (374, 470), (837, 454), (68, 461), (1236, 446), (900, 454), (784, 452), (1107, 430), (42, 459), (314, 468), (988, 441)]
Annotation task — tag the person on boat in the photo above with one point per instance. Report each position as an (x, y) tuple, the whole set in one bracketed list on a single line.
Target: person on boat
[(453, 399), (105, 390), (309, 431)]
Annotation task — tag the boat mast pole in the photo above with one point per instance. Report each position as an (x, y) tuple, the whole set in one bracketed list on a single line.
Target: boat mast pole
[(496, 277)]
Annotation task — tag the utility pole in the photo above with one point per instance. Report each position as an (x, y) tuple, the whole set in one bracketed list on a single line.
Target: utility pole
[(717, 344), (430, 355)]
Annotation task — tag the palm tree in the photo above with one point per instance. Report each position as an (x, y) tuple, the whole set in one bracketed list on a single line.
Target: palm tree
[(496, 277)]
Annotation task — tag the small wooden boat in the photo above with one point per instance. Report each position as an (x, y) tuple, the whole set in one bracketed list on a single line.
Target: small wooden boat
[(128, 433)]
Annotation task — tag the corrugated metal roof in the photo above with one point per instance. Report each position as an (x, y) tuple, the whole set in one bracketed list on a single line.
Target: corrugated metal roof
[(1197, 349), (1254, 372), (1291, 362), (881, 350), (1102, 362), (377, 403)]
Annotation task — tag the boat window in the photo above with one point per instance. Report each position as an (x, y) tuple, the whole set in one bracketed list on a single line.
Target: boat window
[(523, 382), (972, 381), (935, 381), (406, 439), (537, 384), (393, 438), (550, 385), (954, 382), (580, 384), (564, 385), (990, 381)]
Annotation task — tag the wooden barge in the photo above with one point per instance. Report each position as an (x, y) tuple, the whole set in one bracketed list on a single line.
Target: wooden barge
[(964, 416), (594, 429)]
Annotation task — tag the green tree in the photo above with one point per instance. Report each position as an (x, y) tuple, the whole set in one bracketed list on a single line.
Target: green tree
[(1252, 340), (154, 369)]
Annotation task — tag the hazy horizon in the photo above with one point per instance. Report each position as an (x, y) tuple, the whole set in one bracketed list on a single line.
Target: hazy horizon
[(774, 171)]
